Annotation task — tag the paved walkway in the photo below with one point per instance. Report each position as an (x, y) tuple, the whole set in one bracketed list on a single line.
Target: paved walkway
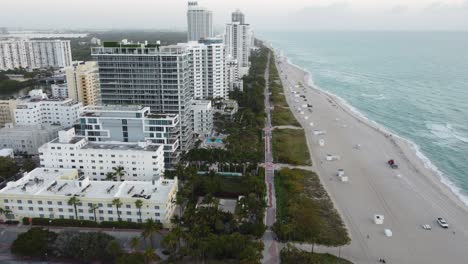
[(270, 252)]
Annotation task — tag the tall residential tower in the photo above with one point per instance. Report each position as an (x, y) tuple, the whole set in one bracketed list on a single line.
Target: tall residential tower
[(199, 22)]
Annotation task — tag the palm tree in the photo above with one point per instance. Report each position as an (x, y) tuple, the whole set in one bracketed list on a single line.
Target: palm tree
[(150, 227), (117, 204), (74, 201), (139, 204), (135, 243), (5, 212), (149, 254), (94, 207), (119, 172), (110, 176)]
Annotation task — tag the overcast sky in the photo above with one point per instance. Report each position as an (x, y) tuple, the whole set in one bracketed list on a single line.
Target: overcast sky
[(262, 14)]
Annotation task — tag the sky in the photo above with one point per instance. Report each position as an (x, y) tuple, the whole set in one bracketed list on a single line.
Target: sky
[(264, 15)]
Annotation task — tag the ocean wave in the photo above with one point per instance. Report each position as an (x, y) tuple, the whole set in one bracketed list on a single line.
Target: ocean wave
[(445, 132), (426, 161), (374, 96)]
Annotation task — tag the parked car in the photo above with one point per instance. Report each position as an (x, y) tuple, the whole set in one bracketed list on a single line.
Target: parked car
[(442, 222), (427, 227)]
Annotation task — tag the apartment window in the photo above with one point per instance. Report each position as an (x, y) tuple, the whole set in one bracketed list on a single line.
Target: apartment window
[(20, 207), (29, 201), (41, 215), (51, 210), (81, 217), (109, 205), (101, 218), (100, 204), (39, 202), (128, 206), (59, 203), (80, 210), (90, 204), (101, 211), (41, 209), (19, 201), (156, 207), (111, 219), (49, 202), (61, 217), (60, 209), (5, 201), (156, 214), (109, 212), (129, 213), (30, 208), (70, 210)]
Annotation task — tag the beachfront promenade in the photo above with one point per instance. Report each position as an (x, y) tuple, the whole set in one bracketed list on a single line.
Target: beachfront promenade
[(271, 251), (408, 197)]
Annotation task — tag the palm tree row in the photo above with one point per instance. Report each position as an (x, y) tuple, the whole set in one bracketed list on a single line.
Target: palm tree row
[(118, 174)]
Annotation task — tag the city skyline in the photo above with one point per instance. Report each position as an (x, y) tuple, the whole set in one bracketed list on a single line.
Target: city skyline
[(300, 14)]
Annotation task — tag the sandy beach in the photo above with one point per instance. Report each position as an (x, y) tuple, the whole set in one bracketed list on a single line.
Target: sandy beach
[(407, 197)]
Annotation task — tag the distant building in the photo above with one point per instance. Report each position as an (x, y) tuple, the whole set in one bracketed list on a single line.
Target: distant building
[(199, 22), (36, 109), (141, 161), (45, 192), (132, 124), (225, 107), (83, 83), (95, 41), (238, 39), (59, 90), (7, 112), (34, 54), (232, 76), (202, 117), (207, 68), (27, 139)]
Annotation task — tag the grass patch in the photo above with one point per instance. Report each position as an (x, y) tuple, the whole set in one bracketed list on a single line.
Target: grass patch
[(291, 255), (290, 146), (283, 117), (305, 212)]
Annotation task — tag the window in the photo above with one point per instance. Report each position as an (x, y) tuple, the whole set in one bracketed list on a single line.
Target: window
[(20, 207), (29, 201), (101, 211), (5, 201), (41, 209), (39, 202), (111, 219), (109, 212), (70, 210), (80, 210), (156, 214), (19, 201), (49, 202), (60, 209), (156, 207), (128, 206), (59, 203), (30, 208)]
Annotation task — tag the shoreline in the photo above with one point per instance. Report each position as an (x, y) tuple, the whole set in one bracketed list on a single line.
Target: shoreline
[(404, 144), (408, 197)]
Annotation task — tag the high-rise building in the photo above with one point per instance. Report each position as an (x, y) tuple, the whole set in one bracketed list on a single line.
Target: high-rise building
[(232, 77), (238, 40), (34, 54), (132, 123), (207, 62), (199, 22), (83, 82), (36, 109), (202, 117), (238, 16), (148, 75)]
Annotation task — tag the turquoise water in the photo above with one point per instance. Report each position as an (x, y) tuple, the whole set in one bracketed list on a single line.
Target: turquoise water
[(216, 140), (413, 83)]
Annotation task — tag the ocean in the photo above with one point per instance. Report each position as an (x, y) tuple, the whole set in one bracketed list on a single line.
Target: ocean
[(414, 84)]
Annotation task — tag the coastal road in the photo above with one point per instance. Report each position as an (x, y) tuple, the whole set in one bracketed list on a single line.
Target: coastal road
[(408, 197), (270, 252)]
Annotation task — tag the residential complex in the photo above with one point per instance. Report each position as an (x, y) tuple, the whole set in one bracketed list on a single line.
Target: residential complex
[(207, 62), (132, 124), (45, 192), (27, 139), (140, 161), (7, 112), (239, 41), (83, 82), (148, 75), (199, 22), (232, 76), (59, 90), (34, 54), (202, 117), (36, 109)]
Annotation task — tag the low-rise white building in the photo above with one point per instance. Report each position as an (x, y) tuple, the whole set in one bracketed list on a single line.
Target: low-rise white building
[(59, 90), (202, 117), (36, 109), (45, 192), (27, 139), (140, 161)]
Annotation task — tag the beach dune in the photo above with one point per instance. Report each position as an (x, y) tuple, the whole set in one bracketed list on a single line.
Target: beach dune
[(408, 197)]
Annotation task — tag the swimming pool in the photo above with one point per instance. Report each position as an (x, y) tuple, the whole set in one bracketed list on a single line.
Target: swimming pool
[(216, 140)]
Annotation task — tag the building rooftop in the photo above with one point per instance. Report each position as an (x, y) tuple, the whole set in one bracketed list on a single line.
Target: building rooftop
[(19, 130), (66, 183)]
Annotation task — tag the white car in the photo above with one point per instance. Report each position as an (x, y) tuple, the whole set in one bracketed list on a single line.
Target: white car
[(442, 222)]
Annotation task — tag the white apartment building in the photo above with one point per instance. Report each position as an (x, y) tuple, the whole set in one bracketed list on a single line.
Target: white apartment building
[(34, 54), (141, 161), (232, 76), (59, 90), (238, 39), (207, 72), (36, 109), (199, 22), (27, 139), (45, 192), (83, 82), (202, 117), (132, 124), (7, 112)]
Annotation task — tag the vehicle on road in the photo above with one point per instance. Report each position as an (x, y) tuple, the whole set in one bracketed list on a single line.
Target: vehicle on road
[(427, 227), (442, 222), (392, 164)]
